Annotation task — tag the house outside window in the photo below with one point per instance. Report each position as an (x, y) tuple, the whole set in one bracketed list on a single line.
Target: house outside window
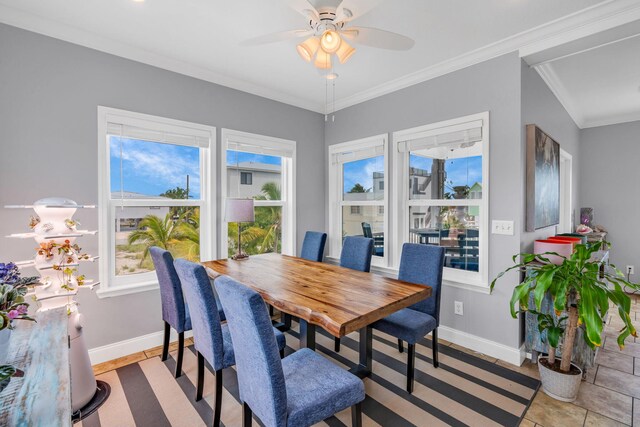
[(260, 168), (154, 191), (442, 193), (357, 194)]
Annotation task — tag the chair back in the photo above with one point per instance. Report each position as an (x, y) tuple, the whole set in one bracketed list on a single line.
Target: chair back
[(423, 264), (313, 246), (260, 376), (366, 230), (174, 311), (356, 253), (205, 320)]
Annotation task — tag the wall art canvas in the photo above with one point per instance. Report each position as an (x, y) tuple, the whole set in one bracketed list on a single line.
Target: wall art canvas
[(543, 179)]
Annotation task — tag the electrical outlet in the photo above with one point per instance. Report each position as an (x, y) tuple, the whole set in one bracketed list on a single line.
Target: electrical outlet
[(458, 308), (502, 227), (631, 270)]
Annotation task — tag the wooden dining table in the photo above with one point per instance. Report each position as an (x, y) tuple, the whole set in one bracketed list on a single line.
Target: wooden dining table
[(336, 299)]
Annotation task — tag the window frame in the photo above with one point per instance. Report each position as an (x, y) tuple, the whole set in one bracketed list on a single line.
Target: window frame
[(336, 190), (110, 284), (248, 175), (457, 277), (288, 189)]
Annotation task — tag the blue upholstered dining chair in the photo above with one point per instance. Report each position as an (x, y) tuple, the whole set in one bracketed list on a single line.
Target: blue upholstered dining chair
[(356, 255), (313, 246), (211, 339), (175, 313), (421, 264), (300, 390)]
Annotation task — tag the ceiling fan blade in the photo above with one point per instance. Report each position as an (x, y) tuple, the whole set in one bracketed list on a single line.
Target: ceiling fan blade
[(375, 37), (349, 10), (304, 8), (276, 37)]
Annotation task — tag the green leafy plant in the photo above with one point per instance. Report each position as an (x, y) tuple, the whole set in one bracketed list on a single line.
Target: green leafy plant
[(6, 371), (578, 288)]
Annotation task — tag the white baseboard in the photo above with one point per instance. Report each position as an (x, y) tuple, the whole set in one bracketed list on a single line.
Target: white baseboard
[(132, 345), (512, 355)]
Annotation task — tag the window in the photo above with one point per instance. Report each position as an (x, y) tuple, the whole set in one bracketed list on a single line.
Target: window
[(246, 178), (357, 194), (261, 168), (155, 191), (442, 193)]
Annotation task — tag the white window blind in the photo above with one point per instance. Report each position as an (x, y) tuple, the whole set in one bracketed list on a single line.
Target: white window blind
[(460, 134), (358, 153), (266, 147), (157, 132)]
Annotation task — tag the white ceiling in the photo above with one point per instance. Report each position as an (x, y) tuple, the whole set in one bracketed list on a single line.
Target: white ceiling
[(201, 38)]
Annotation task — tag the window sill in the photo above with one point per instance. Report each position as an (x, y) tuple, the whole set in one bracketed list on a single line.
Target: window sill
[(117, 291), (479, 287)]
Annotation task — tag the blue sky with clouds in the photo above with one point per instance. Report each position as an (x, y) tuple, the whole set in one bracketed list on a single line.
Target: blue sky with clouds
[(464, 171), (151, 168)]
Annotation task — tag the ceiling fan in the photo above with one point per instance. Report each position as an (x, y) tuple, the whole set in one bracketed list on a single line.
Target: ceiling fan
[(328, 27)]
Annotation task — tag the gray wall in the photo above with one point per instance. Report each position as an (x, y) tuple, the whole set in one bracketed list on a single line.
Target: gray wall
[(541, 107), (610, 176), (49, 93), (492, 86)]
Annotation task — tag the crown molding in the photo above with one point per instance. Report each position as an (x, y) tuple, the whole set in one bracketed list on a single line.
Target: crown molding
[(552, 80), (94, 41), (597, 18)]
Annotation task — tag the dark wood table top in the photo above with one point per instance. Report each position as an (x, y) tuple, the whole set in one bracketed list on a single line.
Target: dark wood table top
[(335, 298)]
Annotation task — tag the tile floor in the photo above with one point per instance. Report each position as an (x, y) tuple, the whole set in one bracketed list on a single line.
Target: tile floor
[(610, 395)]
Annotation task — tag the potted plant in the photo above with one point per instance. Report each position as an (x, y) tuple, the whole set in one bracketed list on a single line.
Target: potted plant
[(580, 293), (13, 306)]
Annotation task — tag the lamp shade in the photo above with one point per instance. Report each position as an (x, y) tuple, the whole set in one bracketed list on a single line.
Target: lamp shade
[(308, 48), (344, 52), (239, 210), (323, 60), (330, 41)]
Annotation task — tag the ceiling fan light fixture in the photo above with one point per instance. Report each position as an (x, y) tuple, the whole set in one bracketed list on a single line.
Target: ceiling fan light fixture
[(330, 41), (308, 48), (323, 60), (345, 52)]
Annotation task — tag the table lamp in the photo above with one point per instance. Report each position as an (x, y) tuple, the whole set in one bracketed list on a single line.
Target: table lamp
[(239, 211)]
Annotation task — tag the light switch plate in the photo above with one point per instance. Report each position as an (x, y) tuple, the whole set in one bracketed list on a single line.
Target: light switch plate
[(502, 227)]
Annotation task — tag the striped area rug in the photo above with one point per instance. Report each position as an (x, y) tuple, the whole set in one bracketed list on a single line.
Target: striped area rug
[(464, 390)]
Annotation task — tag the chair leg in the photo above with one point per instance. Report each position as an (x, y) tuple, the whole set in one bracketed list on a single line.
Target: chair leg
[(336, 344), (434, 347), (356, 415), (200, 381), (165, 343), (180, 354), (271, 313), (246, 416), (400, 346), (218, 407), (411, 363), (282, 354)]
